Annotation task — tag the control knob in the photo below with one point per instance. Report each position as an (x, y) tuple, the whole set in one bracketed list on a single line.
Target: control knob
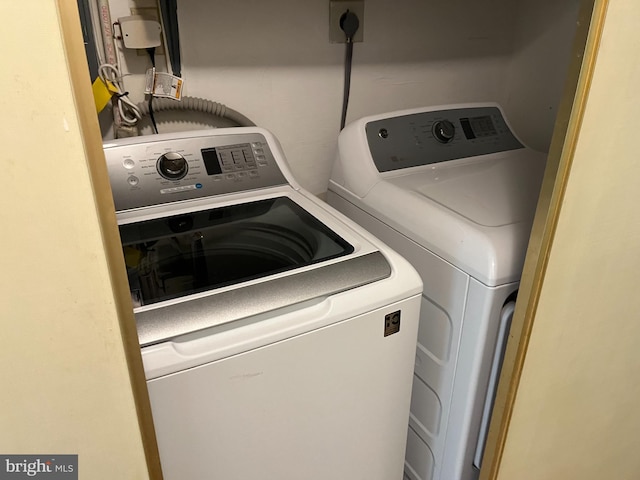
[(443, 131), (172, 166)]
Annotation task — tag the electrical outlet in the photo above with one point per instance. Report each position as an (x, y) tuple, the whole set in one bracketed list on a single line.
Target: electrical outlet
[(336, 9)]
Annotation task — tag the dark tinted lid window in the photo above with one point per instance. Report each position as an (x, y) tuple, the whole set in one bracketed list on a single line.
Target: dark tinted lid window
[(179, 255)]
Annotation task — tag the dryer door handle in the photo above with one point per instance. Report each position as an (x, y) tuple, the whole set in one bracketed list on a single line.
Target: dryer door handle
[(506, 315)]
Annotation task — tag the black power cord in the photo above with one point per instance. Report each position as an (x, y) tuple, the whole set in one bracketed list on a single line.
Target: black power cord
[(349, 23), (152, 55)]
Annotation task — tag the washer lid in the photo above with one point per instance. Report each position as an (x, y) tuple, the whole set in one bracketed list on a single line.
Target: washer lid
[(179, 255), (214, 264)]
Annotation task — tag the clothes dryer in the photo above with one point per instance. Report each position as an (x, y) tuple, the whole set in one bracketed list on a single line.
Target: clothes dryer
[(454, 191)]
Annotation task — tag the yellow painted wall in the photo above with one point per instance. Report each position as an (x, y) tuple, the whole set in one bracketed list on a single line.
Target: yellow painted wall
[(65, 381), (577, 409)]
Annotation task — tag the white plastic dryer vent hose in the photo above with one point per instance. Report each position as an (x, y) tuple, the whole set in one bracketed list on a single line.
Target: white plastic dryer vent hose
[(198, 105)]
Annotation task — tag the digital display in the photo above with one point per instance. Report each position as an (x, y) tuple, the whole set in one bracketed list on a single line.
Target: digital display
[(228, 159), (478, 127), (211, 162)]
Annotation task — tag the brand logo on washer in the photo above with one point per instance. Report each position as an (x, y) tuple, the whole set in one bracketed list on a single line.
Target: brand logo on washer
[(391, 323)]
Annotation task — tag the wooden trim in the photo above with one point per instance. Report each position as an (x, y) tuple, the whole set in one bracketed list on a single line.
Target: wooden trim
[(81, 88), (567, 130)]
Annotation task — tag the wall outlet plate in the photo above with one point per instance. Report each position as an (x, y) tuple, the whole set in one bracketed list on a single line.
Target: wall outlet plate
[(140, 32), (336, 9), (151, 13)]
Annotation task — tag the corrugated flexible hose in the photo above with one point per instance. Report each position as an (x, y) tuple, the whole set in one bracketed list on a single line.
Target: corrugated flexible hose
[(199, 105)]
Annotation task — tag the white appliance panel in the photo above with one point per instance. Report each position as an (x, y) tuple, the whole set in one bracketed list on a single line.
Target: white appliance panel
[(287, 410), (444, 294), (478, 342)]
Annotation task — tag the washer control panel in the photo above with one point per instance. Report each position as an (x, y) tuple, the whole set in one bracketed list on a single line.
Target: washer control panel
[(153, 170), (438, 136)]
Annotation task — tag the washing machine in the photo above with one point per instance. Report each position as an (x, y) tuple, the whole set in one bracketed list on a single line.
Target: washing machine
[(277, 336), (454, 191)]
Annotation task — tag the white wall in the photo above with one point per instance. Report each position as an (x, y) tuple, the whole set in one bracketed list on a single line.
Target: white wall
[(535, 80), (272, 61)]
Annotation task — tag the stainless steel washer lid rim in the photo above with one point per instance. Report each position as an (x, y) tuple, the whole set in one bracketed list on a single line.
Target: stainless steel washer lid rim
[(157, 325)]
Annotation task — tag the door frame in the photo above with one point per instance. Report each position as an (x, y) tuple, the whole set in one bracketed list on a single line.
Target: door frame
[(590, 23)]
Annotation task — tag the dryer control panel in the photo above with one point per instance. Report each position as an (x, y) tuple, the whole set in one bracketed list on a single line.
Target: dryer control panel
[(166, 168), (437, 136)]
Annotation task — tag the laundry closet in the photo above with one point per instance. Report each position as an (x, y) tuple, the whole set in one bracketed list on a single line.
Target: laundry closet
[(272, 65), (74, 366)]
